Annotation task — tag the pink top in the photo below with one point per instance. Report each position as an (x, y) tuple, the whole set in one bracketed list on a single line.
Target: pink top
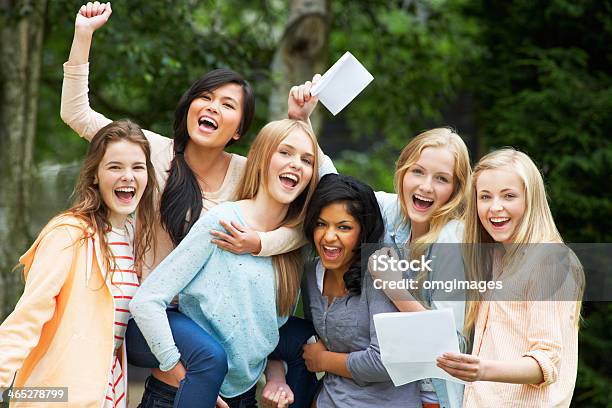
[(544, 330)]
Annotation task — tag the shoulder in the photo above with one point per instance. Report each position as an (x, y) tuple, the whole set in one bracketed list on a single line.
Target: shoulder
[(452, 232)]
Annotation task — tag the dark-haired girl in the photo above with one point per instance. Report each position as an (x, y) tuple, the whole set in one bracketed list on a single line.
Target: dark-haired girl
[(340, 299), (195, 173)]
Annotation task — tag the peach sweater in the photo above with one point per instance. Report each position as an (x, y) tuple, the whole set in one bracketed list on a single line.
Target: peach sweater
[(544, 330)]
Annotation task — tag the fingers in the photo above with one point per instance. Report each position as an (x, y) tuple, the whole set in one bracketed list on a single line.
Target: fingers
[(226, 246), (238, 227), (95, 9), (222, 236), (235, 232), (316, 78), (221, 404)]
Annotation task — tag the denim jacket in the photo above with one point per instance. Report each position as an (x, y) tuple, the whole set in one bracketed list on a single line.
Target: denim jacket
[(397, 233)]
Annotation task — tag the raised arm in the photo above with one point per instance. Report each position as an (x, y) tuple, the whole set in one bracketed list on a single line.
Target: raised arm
[(75, 109)]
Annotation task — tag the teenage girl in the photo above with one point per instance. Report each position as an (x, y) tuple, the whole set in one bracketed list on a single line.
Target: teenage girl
[(525, 348), (424, 219), (194, 172), (68, 327), (241, 300)]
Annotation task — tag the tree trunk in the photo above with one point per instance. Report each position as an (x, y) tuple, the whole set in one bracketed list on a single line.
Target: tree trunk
[(21, 33), (302, 52)]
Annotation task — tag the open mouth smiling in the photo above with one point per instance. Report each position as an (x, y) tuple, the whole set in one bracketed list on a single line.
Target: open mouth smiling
[(207, 123), (289, 180), (125, 194), (421, 203)]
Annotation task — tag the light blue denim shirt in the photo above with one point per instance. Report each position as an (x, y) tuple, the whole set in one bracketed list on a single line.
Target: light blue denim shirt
[(233, 297), (449, 265)]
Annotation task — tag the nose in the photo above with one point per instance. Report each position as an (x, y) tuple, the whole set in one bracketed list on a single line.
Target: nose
[(128, 175), (426, 185), (330, 235), (296, 162), (213, 106), (497, 205)]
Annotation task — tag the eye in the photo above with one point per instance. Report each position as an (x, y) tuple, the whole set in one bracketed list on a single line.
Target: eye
[(510, 195), (483, 197), (140, 167), (307, 161), (345, 228), (442, 179), (206, 97), (417, 171), (114, 167), (229, 106), (284, 152), (319, 224)]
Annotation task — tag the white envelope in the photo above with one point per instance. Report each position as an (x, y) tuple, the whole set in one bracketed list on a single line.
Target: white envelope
[(411, 342), (342, 83)]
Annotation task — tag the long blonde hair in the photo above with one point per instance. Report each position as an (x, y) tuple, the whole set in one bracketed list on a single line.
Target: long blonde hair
[(454, 207), (288, 267), (536, 226)]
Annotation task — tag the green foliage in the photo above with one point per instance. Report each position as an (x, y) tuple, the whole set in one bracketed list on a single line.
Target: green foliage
[(543, 86)]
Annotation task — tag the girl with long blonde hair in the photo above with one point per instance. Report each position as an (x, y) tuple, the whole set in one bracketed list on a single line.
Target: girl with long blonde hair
[(423, 219), (241, 300), (68, 327), (525, 346)]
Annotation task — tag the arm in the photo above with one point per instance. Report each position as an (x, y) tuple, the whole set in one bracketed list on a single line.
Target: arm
[(75, 108), (171, 276), (22, 329)]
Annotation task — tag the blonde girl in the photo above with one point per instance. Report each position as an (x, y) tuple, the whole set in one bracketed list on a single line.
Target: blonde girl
[(241, 300), (68, 326), (525, 346), (424, 219)]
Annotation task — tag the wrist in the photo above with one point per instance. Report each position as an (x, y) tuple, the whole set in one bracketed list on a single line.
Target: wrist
[(322, 360), (83, 32), (485, 370)]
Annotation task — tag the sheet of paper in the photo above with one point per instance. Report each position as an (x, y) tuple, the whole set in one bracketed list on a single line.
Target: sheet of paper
[(411, 342), (342, 83)]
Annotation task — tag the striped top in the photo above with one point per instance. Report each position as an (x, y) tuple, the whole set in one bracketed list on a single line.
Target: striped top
[(123, 285), (544, 330)]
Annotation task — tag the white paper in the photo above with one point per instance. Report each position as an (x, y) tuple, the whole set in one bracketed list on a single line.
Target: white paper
[(411, 342), (342, 83)]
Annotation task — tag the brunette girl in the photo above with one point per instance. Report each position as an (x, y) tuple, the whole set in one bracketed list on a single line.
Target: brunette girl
[(68, 327)]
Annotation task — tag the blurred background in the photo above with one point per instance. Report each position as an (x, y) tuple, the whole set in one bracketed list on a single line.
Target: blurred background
[(536, 75)]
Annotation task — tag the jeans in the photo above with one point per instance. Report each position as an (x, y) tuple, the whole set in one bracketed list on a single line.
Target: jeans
[(245, 400), (203, 357), (303, 383), (157, 394)]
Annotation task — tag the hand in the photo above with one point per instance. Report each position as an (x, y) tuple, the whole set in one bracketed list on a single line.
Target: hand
[(240, 240), (92, 16), (220, 403), (313, 356), (301, 103), (465, 367), (276, 394), (178, 372), (381, 269)]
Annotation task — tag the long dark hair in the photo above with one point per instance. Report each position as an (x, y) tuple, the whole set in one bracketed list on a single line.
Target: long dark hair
[(361, 204), (181, 200)]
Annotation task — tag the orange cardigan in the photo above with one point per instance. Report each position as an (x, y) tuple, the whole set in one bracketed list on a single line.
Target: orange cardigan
[(61, 331)]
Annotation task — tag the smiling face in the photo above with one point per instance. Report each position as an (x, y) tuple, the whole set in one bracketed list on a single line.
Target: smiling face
[(336, 235), (501, 203), (428, 184), (214, 117), (291, 167), (121, 179)]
